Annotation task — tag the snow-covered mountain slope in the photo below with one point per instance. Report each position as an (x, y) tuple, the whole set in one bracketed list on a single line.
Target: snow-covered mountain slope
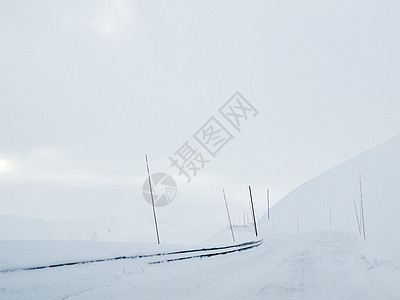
[(26, 228), (108, 229), (326, 202)]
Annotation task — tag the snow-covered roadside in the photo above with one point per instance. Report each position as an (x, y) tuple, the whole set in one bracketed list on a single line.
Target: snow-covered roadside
[(306, 266), (32, 253)]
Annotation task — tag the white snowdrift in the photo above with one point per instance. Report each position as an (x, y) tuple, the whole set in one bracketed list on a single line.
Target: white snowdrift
[(326, 202)]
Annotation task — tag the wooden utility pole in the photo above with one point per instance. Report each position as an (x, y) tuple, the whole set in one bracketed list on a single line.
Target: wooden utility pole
[(268, 201), (229, 217), (152, 200), (254, 214)]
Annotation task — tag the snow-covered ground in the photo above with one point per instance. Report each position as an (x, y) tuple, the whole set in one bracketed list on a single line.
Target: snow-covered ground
[(312, 250), (305, 266), (326, 202)]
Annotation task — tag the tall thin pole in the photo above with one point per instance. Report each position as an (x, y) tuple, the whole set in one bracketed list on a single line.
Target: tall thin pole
[(362, 208), (358, 222), (268, 201), (362, 217), (252, 209), (229, 217), (152, 200)]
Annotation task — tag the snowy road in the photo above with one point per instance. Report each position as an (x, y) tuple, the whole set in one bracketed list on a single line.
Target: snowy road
[(312, 266), (154, 258)]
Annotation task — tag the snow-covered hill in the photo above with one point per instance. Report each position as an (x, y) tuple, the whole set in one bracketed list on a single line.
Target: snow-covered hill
[(326, 202)]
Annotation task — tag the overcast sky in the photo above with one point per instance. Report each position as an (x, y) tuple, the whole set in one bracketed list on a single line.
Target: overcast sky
[(88, 87)]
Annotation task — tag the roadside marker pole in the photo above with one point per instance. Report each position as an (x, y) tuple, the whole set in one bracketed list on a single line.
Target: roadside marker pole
[(254, 214), (152, 200), (229, 217)]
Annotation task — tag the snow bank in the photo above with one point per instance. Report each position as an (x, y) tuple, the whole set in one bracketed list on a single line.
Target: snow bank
[(326, 202)]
